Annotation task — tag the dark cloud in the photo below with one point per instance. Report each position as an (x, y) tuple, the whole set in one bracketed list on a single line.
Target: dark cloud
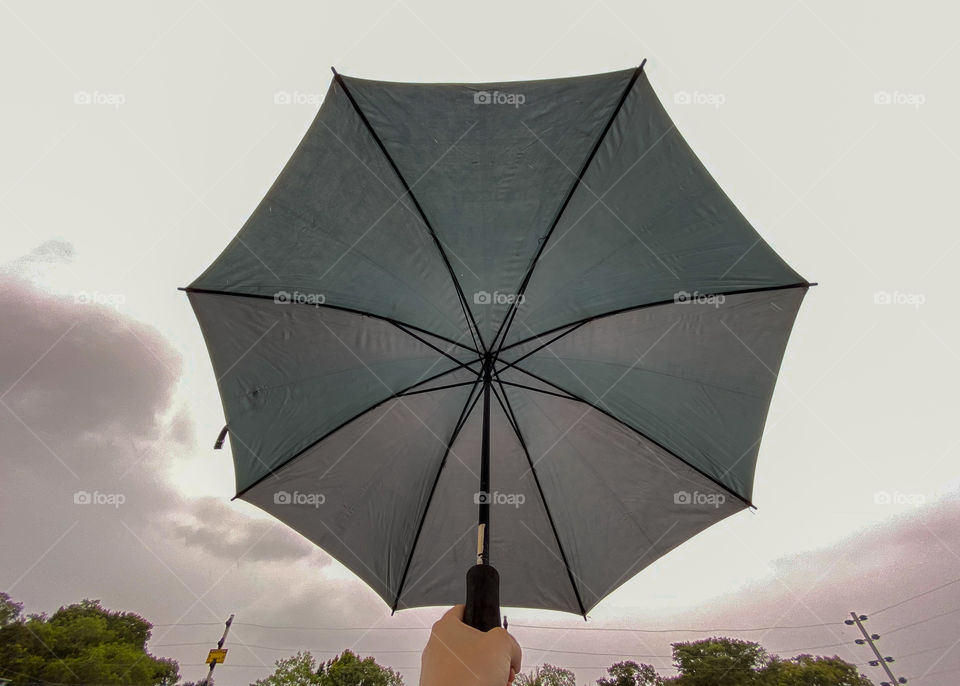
[(88, 413), (220, 531), (79, 369)]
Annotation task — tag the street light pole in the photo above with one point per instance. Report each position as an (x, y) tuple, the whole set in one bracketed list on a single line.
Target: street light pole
[(857, 619)]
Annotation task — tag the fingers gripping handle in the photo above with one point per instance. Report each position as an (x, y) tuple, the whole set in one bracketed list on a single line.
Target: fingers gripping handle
[(482, 607)]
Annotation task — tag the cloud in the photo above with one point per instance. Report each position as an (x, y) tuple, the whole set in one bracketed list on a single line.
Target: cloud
[(223, 532), (89, 411), (74, 369)]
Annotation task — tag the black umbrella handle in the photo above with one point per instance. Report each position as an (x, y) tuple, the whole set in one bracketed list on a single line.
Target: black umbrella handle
[(482, 608)]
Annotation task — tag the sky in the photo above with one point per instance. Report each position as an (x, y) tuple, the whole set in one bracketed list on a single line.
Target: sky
[(138, 138)]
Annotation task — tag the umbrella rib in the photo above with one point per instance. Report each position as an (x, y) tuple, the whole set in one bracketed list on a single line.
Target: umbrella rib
[(586, 320), (393, 396), (395, 322), (512, 420), (468, 314), (508, 320), (439, 388), (552, 340), (464, 365), (464, 413), (640, 433), (533, 388)]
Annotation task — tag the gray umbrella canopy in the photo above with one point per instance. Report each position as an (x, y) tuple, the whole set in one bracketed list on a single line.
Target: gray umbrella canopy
[(548, 256)]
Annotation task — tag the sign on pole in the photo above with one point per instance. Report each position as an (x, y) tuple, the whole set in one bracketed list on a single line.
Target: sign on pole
[(217, 655)]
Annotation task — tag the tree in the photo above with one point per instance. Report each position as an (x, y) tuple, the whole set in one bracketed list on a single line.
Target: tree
[(546, 675), (299, 670), (347, 669), (807, 670), (9, 610), (79, 644), (732, 662), (718, 662), (630, 673)]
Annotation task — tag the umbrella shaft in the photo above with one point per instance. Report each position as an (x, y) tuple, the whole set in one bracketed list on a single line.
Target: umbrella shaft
[(483, 530)]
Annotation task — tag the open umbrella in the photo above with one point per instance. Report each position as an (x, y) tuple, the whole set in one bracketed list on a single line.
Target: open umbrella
[(506, 324)]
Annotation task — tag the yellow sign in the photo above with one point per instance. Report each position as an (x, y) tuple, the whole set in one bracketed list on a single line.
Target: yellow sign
[(217, 655)]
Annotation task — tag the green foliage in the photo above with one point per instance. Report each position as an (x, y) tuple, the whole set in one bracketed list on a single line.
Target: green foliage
[(718, 662), (346, 669), (630, 673), (807, 670), (79, 644), (546, 675), (732, 662), (10, 610), (299, 670)]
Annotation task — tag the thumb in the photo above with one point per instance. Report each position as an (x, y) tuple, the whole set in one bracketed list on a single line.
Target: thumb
[(513, 648)]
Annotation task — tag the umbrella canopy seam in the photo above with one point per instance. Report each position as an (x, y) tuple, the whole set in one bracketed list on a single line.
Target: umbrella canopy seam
[(464, 413), (512, 420), (514, 306), (393, 396), (586, 320), (403, 326), (639, 432), (468, 314)]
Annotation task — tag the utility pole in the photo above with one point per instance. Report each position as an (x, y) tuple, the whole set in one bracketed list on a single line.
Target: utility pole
[(213, 661), (869, 640)]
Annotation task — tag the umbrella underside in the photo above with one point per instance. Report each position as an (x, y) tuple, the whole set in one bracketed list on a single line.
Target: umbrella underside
[(562, 233)]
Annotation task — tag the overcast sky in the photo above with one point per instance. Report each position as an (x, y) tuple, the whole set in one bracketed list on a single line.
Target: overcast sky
[(138, 137)]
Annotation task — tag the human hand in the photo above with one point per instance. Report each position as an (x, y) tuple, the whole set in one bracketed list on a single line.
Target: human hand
[(459, 655)]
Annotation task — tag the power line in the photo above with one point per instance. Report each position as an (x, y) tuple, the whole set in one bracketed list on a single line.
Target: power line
[(927, 650), (923, 621), (942, 671), (279, 627), (625, 653), (333, 628), (914, 597), (252, 645), (673, 631)]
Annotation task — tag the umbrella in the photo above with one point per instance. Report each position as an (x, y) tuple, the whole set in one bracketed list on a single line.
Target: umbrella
[(505, 326)]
